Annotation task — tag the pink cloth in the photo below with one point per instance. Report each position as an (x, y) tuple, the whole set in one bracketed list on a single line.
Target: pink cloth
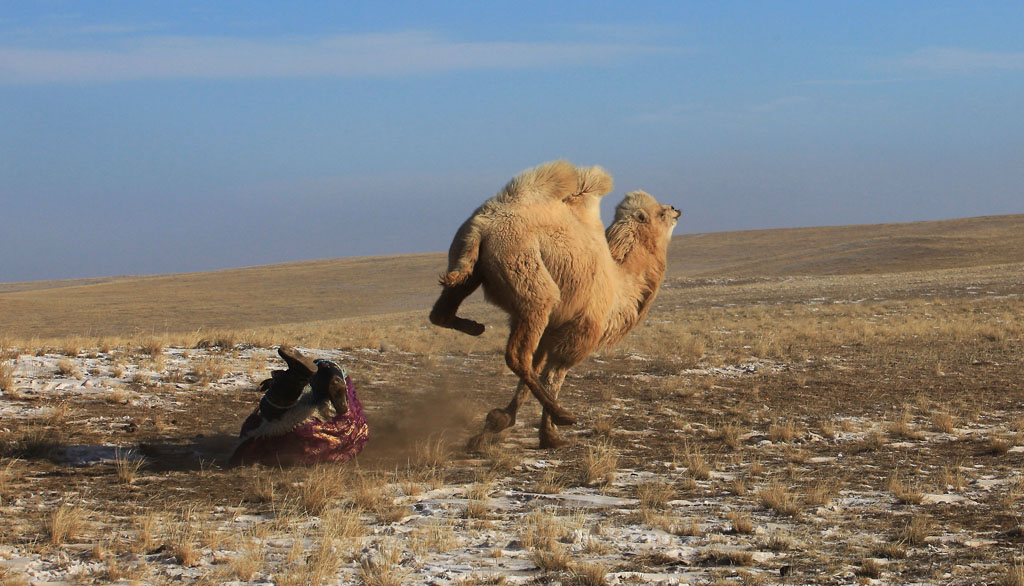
[(312, 440)]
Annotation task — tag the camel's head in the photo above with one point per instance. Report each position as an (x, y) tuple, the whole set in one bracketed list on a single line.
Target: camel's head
[(639, 218), (643, 210)]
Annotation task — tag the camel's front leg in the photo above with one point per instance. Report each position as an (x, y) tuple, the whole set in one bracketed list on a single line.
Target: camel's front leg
[(519, 355), (549, 436), (499, 420)]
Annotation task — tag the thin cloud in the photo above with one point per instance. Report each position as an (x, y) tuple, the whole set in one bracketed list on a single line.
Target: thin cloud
[(856, 82), (372, 55), (957, 60), (781, 104)]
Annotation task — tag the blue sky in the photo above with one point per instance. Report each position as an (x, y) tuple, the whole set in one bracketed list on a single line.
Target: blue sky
[(154, 137)]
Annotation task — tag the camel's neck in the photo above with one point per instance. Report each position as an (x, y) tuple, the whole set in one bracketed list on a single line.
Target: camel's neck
[(641, 272)]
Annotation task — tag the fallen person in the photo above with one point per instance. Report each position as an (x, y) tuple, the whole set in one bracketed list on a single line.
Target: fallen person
[(308, 414)]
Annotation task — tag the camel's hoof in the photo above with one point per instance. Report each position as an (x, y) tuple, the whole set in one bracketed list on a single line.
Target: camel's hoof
[(552, 442), (467, 326), (560, 416), (478, 441), (497, 420)]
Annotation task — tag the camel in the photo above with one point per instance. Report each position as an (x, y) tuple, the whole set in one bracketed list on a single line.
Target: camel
[(542, 254)]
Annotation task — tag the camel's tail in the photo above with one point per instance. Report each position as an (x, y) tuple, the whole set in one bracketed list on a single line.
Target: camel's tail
[(590, 182)]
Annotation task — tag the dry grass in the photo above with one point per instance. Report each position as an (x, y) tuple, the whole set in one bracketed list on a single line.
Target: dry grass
[(209, 369), (556, 559), (604, 427), (915, 531), (904, 492), (127, 465), (551, 482), (588, 574), (541, 529), (152, 347), (173, 376), (828, 429), (263, 489), (433, 453), (245, 565), (729, 434), (64, 523), (779, 498), (476, 501), (869, 568), (821, 492), (741, 522), (997, 446), (322, 485), (184, 540), (7, 375), (502, 459), (878, 353), (12, 578), (779, 542), (953, 476), (1013, 576), (902, 426), (695, 462), (146, 533), (9, 477), (873, 441), (655, 494), (890, 550), (782, 431), (343, 523), (67, 368), (737, 486), (382, 568), (599, 465), (724, 557), (943, 421), (437, 536)]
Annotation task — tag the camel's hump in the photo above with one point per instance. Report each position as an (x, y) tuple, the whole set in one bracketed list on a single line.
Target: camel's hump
[(558, 180)]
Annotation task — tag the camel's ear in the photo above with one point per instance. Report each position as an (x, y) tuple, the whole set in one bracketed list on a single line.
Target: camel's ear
[(640, 216)]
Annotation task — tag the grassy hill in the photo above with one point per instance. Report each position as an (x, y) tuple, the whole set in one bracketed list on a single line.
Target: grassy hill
[(357, 287)]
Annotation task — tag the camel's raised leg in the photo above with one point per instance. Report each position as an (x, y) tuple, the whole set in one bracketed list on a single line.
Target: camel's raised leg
[(446, 306)]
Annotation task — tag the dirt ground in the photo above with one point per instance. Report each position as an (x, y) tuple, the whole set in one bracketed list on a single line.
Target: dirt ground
[(811, 430)]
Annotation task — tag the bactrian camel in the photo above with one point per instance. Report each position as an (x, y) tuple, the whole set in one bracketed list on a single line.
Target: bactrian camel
[(541, 253)]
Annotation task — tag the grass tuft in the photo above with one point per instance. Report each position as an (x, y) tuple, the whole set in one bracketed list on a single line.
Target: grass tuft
[(779, 498), (599, 465), (64, 523)]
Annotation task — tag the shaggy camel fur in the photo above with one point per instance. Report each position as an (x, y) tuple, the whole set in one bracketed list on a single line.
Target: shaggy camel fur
[(540, 251)]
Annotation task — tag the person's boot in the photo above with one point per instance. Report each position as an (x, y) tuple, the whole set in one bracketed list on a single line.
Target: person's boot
[(285, 386)]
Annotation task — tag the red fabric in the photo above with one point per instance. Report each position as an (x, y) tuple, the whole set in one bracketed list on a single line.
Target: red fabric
[(337, 440)]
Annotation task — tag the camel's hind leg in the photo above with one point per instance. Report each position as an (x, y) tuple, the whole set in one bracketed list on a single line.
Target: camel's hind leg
[(443, 313)]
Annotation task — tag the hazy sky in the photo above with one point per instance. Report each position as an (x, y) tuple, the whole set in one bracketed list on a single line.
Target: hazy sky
[(152, 137)]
